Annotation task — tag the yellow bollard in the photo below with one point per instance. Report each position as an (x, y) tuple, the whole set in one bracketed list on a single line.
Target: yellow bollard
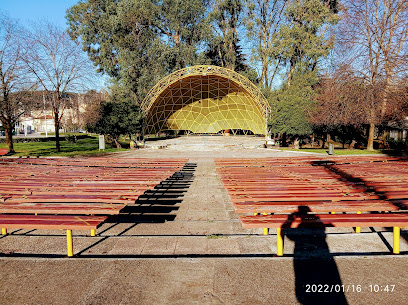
[(70, 246), (395, 248), (358, 229), (93, 232), (3, 231), (265, 230), (279, 241)]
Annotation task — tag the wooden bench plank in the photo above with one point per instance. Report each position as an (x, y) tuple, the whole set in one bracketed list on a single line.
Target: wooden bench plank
[(325, 220), (57, 222), (3, 151), (314, 206), (70, 198), (49, 208), (52, 222)]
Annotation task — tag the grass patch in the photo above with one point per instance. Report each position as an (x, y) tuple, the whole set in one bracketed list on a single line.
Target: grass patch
[(214, 236), (83, 147), (337, 151), (63, 133)]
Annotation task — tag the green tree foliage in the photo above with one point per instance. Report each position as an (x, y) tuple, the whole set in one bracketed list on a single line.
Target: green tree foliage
[(263, 19), (301, 43), (223, 47), (215, 53), (304, 39), (226, 17), (290, 105), (139, 41), (118, 118)]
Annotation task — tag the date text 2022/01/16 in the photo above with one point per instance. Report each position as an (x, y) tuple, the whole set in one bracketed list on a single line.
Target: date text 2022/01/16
[(326, 288)]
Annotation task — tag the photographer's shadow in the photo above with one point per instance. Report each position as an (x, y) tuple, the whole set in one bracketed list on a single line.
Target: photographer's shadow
[(316, 275)]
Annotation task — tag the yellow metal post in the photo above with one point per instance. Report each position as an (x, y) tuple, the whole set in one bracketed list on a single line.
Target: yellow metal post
[(93, 232), (265, 230), (395, 248), (3, 231), (358, 229), (70, 246), (279, 241)]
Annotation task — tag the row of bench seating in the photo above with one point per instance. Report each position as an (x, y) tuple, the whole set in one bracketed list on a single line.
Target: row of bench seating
[(73, 194), (305, 192)]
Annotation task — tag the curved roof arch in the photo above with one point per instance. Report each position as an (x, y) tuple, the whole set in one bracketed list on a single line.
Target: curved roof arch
[(203, 99)]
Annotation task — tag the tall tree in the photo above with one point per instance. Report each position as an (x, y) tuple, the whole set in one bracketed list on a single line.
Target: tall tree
[(15, 84), (263, 20), (375, 34), (226, 17), (118, 118), (304, 38), (301, 42), (139, 41), (291, 105), (59, 66), (341, 100)]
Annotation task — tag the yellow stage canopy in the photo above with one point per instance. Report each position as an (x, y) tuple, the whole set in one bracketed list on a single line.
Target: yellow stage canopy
[(205, 99)]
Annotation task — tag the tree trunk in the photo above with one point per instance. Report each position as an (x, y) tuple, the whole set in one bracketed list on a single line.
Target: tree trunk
[(370, 143), (291, 70), (283, 140), (9, 137), (117, 143), (57, 139), (296, 144), (323, 142), (384, 104), (264, 76)]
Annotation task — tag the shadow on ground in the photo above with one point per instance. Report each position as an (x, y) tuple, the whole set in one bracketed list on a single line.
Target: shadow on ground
[(317, 278), (368, 188), (157, 205)]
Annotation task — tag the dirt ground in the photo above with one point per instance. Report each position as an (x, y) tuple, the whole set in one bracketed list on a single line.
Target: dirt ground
[(188, 247)]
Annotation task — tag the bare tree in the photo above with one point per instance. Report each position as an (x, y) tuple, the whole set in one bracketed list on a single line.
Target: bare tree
[(59, 65), (92, 107), (15, 85), (375, 34)]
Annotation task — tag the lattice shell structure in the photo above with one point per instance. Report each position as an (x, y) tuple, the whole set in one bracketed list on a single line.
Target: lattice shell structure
[(205, 99)]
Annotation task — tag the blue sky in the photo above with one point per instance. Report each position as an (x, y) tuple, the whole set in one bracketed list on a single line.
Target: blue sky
[(27, 11)]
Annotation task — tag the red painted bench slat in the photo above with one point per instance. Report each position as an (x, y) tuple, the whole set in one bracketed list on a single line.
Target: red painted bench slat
[(60, 222), (325, 220), (49, 208)]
